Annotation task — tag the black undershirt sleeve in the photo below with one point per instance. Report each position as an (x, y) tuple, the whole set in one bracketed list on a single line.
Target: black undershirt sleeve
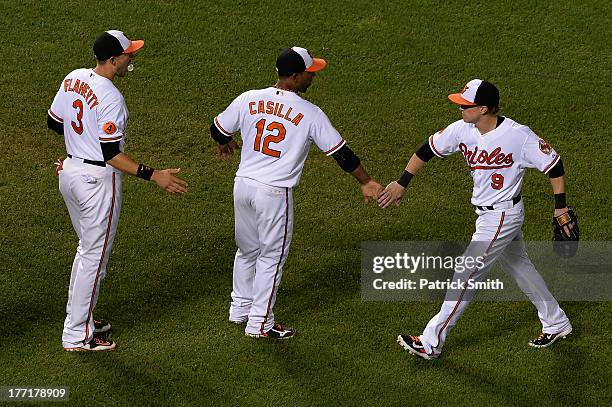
[(218, 136), (346, 158), (55, 125), (557, 171), (109, 150), (425, 152)]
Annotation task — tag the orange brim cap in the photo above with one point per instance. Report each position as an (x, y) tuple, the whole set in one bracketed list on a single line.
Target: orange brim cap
[(318, 64), (460, 100), (134, 46)]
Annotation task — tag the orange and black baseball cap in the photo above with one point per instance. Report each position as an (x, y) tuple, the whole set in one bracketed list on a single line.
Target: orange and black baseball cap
[(297, 59), (113, 43), (477, 93)]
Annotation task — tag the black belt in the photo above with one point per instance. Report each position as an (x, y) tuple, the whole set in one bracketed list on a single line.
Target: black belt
[(92, 162), (515, 200)]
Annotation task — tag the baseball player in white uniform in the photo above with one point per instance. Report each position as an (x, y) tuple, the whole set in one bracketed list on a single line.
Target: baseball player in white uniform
[(90, 112), (497, 150), (277, 128)]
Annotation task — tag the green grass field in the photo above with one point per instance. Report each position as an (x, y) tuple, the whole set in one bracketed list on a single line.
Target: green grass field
[(391, 65)]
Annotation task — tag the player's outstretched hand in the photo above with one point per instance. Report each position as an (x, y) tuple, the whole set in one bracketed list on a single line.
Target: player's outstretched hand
[(225, 151), (167, 181), (392, 194), (371, 190)]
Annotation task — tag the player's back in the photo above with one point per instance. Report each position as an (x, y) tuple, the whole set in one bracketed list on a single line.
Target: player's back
[(81, 100), (277, 128)]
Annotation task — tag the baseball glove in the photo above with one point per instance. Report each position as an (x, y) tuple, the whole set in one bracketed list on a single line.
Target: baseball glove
[(566, 234)]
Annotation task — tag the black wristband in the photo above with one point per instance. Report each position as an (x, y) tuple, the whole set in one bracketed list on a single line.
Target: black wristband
[(560, 201), (405, 179), (144, 172)]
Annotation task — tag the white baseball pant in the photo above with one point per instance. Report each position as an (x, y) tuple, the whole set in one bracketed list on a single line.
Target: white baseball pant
[(498, 235), (93, 197), (263, 231)]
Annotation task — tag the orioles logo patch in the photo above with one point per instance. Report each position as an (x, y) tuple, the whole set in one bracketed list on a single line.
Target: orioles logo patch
[(545, 147), (109, 128)]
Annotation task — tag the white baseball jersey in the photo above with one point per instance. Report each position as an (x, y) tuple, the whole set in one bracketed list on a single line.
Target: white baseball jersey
[(92, 110), (277, 128), (497, 159)]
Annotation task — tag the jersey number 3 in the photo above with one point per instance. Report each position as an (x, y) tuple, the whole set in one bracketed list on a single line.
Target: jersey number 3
[(270, 138), (78, 127)]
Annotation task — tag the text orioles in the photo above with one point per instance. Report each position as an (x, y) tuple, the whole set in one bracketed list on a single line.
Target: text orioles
[(496, 159), (276, 109)]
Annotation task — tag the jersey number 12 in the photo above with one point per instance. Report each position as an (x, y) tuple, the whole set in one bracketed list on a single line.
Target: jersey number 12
[(269, 138)]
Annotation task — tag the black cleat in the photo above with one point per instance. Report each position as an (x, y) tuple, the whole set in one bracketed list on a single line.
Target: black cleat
[(278, 331), (95, 345), (413, 345), (545, 340)]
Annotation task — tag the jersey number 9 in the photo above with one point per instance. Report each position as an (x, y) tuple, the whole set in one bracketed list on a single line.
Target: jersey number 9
[(497, 181), (270, 138)]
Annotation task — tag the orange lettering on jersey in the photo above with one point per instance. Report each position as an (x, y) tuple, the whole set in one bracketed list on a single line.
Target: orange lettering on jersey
[(279, 111), (76, 86), (499, 159), (297, 119), (494, 160), (275, 109), (94, 101), (83, 89)]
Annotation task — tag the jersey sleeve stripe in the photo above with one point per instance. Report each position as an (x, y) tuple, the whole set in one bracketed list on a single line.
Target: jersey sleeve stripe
[(433, 147), (336, 147), (54, 116), (221, 129), (552, 164), (111, 138)]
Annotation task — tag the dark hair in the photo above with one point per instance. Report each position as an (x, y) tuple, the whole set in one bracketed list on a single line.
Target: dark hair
[(492, 109)]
